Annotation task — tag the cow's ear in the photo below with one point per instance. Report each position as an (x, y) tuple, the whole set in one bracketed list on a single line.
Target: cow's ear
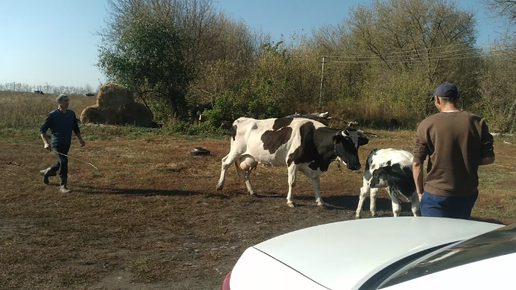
[(362, 140)]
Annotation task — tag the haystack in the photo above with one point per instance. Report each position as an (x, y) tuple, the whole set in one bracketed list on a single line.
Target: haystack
[(113, 96), (115, 105), (94, 114), (135, 114)]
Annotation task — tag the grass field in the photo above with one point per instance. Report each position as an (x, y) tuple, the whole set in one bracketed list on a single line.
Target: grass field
[(150, 218)]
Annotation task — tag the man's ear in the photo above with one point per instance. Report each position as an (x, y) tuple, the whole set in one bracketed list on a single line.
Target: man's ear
[(438, 100)]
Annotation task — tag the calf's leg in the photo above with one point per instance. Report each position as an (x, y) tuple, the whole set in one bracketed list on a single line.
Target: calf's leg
[(396, 207), (415, 205), (364, 191), (372, 205)]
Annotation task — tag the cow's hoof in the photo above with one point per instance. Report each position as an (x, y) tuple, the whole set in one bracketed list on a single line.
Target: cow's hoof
[(219, 186), (358, 217), (322, 206), (291, 204)]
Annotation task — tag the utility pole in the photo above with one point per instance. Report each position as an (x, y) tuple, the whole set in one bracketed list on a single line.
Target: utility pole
[(322, 82)]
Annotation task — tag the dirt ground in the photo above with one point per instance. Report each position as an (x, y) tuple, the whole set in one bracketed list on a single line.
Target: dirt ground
[(150, 217)]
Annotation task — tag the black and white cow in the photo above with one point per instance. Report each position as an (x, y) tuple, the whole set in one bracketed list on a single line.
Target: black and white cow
[(298, 143), (390, 169)]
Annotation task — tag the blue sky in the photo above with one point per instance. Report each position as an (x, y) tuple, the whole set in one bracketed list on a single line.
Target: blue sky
[(54, 42)]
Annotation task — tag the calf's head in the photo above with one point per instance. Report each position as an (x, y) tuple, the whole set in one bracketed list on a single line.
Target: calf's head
[(390, 174), (380, 177), (346, 145)]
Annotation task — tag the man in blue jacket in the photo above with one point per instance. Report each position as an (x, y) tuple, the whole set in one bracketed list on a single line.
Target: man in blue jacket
[(61, 123)]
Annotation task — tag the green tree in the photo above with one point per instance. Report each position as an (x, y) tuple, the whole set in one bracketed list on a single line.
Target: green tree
[(498, 88), (498, 104), (142, 49), (396, 51)]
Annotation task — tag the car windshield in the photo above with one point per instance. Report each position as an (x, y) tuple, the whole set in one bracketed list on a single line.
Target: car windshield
[(499, 242)]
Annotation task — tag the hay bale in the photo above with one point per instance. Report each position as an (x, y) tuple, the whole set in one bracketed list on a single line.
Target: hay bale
[(113, 96), (135, 114), (116, 105), (94, 114)]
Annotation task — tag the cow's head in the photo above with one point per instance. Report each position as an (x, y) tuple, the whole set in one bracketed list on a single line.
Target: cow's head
[(346, 144)]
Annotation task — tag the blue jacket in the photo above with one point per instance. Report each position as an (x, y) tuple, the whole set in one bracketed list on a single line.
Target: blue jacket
[(61, 126)]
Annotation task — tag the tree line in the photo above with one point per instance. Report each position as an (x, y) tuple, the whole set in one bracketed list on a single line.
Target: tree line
[(46, 89), (184, 57)]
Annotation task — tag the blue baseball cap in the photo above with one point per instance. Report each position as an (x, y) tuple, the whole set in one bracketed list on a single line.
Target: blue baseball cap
[(446, 90)]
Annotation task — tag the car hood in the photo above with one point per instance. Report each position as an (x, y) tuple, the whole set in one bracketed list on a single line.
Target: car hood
[(343, 255)]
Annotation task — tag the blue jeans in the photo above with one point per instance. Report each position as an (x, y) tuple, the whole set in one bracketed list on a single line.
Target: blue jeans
[(451, 207)]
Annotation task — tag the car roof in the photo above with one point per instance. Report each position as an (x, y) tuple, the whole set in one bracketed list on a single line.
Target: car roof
[(343, 255)]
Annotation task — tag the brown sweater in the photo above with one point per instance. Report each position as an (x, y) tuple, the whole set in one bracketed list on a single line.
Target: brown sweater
[(455, 142)]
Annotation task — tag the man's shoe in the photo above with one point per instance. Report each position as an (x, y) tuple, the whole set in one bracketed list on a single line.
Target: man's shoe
[(64, 189), (46, 173)]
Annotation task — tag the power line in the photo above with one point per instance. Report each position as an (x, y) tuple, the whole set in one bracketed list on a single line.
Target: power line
[(444, 53)]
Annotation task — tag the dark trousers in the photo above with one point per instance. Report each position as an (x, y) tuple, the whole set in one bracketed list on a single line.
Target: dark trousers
[(61, 164), (451, 207)]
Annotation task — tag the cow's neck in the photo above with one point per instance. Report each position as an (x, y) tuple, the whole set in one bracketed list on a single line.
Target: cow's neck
[(336, 157)]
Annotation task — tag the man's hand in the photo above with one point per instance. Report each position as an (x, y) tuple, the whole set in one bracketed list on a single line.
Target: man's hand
[(80, 139), (46, 145)]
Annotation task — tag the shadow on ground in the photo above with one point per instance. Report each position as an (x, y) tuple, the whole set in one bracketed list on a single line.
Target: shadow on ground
[(142, 191)]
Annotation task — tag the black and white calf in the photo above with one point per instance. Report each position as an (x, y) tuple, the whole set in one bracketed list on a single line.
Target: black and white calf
[(390, 169), (298, 143)]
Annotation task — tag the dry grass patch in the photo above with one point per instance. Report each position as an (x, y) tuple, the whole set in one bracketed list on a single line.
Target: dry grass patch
[(19, 109)]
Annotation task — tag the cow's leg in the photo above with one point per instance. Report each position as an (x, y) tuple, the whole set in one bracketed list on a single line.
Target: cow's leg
[(314, 176), (247, 181), (226, 162), (315, 185), (415, 205), (292, 169), (372, 205), (364, 191)]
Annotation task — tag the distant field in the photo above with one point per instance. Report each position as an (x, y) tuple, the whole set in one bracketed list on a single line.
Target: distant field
[(150, 218), (27, 109)]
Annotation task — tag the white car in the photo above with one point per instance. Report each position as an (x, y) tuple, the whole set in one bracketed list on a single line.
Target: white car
[(382, 253)]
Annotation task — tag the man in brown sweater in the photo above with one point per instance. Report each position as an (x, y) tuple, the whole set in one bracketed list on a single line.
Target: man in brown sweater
[(456, 142)]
